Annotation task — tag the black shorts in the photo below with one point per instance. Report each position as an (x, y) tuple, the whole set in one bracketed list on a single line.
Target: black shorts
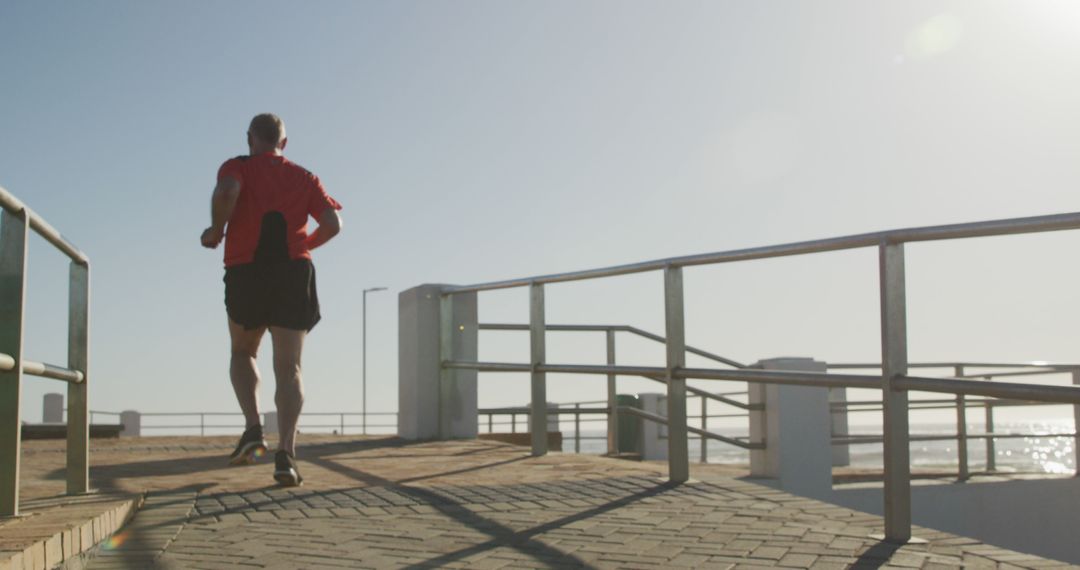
[(272, 293)]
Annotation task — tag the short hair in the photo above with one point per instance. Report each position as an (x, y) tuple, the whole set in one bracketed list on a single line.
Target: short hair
[(268, 128)]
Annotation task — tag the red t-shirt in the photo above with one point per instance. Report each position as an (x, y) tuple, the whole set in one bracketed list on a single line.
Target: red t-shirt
[(270, 183)]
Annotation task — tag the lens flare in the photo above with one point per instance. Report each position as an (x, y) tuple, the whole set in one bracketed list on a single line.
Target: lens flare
[(260, 452), (936, 36), (115, 541)]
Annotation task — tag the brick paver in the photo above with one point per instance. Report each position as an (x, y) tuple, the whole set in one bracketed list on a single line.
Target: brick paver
[(382, 503)]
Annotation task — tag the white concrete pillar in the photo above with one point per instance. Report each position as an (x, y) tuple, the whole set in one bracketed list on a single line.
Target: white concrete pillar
[(270, 425), (428, 397), (132, 422), (52, 409), (653, 435), (841, 454), (553, 418), (795, 426)]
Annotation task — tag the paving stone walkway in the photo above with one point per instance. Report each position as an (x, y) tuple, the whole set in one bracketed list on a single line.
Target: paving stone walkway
[(382, 503)]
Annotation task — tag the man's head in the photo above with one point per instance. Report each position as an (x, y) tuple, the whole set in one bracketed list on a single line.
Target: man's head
[(266, 134)]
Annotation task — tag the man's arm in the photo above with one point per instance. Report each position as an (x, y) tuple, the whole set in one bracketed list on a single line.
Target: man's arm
[(329, 226), (222, 204)]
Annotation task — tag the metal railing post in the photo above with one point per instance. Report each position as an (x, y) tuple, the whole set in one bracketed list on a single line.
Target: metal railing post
[(446, 353), (577, 428), (513, 423), (962, 436), (491, 423), (202, 424), (341, 420), (13, 239), (612, 399), (537, 331), (961, 430), (678, 454), (78, 424), (1076, 425), (991, 448), (704, 427), (894, 360)]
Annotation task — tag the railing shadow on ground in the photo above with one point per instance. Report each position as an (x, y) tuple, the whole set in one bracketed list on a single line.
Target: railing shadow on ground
[(501, 535), (324, 455), (877, 556)]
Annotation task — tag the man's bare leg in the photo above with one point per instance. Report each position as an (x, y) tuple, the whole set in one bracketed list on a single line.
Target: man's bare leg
[(243, 372), (289, 397)]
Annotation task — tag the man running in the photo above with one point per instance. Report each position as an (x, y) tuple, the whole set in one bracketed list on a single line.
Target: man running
[(269, 278)]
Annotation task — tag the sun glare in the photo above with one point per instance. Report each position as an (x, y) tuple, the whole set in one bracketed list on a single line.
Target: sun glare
[(934, 37)]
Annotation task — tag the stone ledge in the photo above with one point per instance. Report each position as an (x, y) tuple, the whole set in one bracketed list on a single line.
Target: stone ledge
[(58, 529)]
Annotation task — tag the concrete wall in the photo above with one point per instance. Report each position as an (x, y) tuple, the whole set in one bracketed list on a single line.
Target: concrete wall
[(429, 407), (1039, 516)]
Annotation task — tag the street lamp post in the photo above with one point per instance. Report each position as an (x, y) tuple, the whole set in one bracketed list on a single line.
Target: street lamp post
[(363, 421)]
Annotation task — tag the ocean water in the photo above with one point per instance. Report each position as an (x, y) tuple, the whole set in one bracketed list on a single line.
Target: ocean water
[(1039, 451)]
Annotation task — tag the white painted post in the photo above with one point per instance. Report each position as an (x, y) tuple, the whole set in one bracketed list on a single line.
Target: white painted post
[(894, 360), (13, 234), (654, 436), (52, 408), (436, 403), (270, 423), (795, 425), (553, 418), (132, 422)]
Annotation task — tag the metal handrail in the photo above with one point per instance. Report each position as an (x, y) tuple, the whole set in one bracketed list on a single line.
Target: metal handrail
[(1009, 390), (1034, 224), (12, 204), (44, 370), (613, 328), (564, 408), (861, 439), (16, 221), (894, 380), (1060, 367), (202, 426), (656, 418), (1033, 368)]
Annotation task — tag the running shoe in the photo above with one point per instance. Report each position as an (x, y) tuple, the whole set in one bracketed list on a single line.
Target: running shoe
[(252, 445), (285, 471)]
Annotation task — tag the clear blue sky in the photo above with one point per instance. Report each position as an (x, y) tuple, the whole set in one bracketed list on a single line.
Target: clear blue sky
[(473, 141)]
